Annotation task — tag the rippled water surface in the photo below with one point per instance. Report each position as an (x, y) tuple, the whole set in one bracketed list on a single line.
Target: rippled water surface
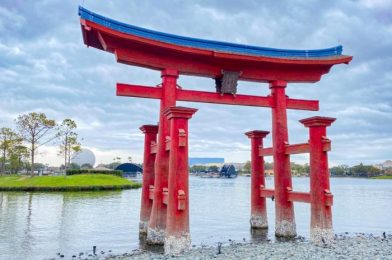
[(39, 225)]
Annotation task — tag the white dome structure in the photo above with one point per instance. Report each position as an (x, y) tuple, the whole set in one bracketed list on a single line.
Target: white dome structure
[(85, 156)]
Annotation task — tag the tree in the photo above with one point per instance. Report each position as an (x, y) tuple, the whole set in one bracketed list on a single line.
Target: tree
[(247, 167), (74, 166), (86, 166), (9, 140), (213, 168), (35, 128), (338, 170), (112, 165), (16, 158), (39, 166), (198, 168), (69, 141), (268, 166), (364, 170)]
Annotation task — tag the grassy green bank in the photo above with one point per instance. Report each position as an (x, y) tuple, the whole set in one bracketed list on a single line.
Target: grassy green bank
[(384, 177), (78, 182)]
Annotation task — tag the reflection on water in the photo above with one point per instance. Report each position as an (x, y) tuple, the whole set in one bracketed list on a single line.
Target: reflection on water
[(40, 225)]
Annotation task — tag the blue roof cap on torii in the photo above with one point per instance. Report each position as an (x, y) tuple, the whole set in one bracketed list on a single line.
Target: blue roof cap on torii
[(208, 44)]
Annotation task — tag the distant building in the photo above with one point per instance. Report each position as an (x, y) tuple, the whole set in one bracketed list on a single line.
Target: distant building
[(228, 171), (85, 156), (385, 165), (237, 166), (129, 169), (205, 161)]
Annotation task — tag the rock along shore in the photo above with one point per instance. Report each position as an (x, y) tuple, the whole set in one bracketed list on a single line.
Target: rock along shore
[(358, 246)]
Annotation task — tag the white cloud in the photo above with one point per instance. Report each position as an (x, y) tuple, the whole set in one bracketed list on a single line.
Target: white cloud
[(376, 3), (9, 19)]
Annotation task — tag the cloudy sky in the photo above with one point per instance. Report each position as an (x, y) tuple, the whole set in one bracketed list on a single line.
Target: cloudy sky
[(45, 67)]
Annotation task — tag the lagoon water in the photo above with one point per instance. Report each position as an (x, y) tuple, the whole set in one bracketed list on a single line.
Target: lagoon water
[(40, 225)]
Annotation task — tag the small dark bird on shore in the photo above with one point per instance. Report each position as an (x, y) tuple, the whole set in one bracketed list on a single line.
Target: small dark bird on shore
[(384, 235), (324, 242), (219, 248)]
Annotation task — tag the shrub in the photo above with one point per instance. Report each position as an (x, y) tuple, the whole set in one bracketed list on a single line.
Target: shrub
[(92, 171)]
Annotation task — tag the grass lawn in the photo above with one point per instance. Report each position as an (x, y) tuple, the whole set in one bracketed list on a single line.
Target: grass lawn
[(66, 183), (384, 177)]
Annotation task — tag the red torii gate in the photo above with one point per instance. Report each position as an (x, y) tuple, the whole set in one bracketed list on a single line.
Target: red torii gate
[(165, 193)]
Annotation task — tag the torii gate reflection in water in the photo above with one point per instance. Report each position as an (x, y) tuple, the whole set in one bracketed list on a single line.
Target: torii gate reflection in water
[(165, 193)]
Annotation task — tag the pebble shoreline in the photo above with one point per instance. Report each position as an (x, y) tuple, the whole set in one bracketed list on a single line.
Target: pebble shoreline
[(358, 246)]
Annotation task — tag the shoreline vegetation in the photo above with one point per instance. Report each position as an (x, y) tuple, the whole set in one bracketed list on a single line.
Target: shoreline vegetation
[(383, 177), (79, 182)]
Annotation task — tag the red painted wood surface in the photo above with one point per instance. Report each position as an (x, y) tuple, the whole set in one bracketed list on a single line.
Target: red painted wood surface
[(297, 196), (151, 193), (158, 214), (129, 90), (178, 189), (326, 144), (154, 147), (150, 135), (284, 210), (217, 98), (266, 193), (266, 151), (258, 204), (297, 148), (321, 198)]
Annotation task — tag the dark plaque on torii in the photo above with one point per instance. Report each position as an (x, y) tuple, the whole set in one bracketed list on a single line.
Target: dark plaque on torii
[(227, 84)]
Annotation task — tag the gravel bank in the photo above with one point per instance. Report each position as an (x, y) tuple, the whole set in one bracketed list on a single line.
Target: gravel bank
[(358, 246)]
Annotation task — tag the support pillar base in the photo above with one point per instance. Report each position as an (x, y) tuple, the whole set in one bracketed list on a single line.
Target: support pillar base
[(321, 236), (155, 236), (143, 226), (285, 228), (258, 222), (176, 245)]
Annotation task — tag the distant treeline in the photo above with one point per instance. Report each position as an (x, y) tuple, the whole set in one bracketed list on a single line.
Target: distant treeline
[(359, 170)]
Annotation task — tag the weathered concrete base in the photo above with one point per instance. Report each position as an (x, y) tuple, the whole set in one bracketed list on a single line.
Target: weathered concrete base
[(285, 228), (155, 237), (176, 245), (259, 234), (143, 226), (322, 236), (258, 222)]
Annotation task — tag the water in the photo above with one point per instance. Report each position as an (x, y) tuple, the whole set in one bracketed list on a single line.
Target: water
[(40, 225)]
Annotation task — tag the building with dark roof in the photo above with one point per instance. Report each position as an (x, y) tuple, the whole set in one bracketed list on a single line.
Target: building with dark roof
[(129, 169)]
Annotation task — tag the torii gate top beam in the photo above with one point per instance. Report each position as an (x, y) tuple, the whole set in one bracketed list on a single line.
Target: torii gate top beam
[(156, 50)]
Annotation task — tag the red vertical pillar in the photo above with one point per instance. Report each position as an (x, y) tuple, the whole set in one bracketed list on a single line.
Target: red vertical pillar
[(157, 223), (150, 135), (258, 204), (320, 196), (177, 226), (284, 210)]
